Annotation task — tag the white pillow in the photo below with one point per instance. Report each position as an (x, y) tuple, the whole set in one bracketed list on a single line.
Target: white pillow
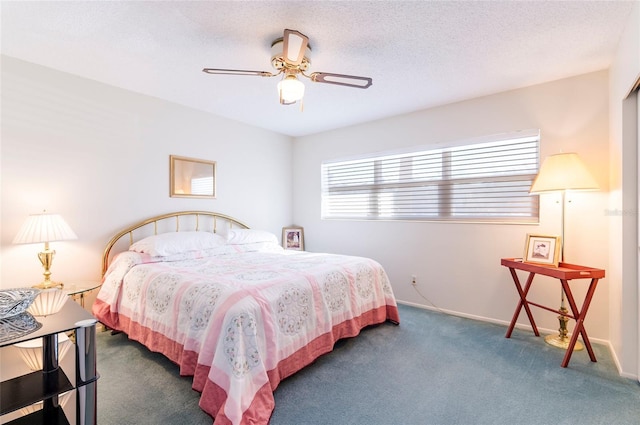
[(257, 246), (244, 236), (176, 243)]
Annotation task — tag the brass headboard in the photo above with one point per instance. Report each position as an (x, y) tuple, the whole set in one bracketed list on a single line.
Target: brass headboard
[(206, 221)]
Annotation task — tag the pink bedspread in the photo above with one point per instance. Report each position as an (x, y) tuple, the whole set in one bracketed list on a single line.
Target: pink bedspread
[(241, 322)]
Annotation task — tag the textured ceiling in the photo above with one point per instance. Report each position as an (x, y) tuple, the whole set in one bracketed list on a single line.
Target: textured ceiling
[(420, 54)]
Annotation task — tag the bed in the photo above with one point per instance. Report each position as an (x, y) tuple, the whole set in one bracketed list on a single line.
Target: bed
[(232, 308)]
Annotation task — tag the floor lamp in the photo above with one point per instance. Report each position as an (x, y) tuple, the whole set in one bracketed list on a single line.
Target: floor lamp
[(560, 173)]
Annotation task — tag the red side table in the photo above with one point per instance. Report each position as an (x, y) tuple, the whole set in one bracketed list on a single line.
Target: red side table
[(564, 272)]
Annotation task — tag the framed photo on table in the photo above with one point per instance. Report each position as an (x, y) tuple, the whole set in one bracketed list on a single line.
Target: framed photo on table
[(542, 249), (293, 238)]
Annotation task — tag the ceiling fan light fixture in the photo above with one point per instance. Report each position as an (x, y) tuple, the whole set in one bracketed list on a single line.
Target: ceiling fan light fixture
[(290, 89)]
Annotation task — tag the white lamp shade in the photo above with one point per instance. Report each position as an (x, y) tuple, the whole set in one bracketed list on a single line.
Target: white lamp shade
[(564, 171), (44, 227), (291, 89), (31, 351), (63, 400), (48, 301)]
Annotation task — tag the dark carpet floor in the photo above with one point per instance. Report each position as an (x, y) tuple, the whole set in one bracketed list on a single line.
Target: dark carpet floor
[(432, 369)]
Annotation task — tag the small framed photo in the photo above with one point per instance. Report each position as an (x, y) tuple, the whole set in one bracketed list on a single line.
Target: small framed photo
[(293, 238), (542, 249)]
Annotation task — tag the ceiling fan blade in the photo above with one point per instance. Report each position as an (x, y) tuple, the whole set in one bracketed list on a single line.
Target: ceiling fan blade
[(294, 47), (237, 72), (341, 79)]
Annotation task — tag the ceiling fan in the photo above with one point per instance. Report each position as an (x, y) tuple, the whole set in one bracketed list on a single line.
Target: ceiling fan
[(290, 58)]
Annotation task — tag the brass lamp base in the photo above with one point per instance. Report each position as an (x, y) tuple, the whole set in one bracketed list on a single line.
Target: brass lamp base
[(562, 339), (46, 258), (560, 342), (49, 284)]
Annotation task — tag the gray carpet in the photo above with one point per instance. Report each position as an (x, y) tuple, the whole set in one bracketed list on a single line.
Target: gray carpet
[(432, 369)]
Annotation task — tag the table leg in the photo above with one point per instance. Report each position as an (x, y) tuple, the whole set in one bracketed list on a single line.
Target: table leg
[(49, 366), (522, 303), (579, 316)]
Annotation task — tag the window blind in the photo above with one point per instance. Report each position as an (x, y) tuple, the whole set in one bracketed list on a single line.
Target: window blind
[(202, 186), (486, 181)]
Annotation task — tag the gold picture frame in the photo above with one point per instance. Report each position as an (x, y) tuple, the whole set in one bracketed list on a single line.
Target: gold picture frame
[(192, 178), (293, 238), (542, 249)]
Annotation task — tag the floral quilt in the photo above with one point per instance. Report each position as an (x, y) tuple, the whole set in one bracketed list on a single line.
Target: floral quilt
[(241, 321)]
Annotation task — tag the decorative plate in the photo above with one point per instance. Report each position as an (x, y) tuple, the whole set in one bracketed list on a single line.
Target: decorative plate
[(18, 325), (16, 301)]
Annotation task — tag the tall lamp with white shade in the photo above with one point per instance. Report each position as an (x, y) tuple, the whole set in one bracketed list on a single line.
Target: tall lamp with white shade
[(560, 173), (45, 227)]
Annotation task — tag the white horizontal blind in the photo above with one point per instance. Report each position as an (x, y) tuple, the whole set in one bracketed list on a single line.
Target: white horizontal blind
[(487, 181), (202, 185)]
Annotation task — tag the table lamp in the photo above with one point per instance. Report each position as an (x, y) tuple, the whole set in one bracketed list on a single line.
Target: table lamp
[(560, 173), (45, 227)]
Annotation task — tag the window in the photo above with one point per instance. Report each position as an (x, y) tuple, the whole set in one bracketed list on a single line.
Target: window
[(486, 180)]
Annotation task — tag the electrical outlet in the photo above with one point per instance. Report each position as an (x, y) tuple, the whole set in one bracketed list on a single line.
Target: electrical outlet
[(414, 279)]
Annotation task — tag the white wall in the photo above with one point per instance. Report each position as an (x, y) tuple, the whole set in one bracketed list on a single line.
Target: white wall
[(458, 265), (623, 252), (99, 156)]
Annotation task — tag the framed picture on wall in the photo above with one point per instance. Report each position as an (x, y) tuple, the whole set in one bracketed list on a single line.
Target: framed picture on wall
[(542, 249), (293, 238)]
